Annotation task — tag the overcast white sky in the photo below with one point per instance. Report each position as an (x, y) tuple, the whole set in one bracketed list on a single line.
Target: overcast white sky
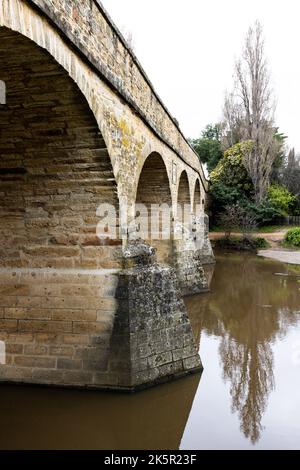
[(188, 49)]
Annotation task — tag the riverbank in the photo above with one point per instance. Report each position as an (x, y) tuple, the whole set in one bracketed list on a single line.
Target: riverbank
[(273, 238), (275, 250)]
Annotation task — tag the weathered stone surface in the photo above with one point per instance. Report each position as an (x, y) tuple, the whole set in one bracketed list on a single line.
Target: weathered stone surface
[(150, 326), (56, 343)]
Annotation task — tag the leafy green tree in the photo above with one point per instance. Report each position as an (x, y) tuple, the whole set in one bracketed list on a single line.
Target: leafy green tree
[(212, 132), (231, 170), (208, 146), (281, 198), (230, 183)]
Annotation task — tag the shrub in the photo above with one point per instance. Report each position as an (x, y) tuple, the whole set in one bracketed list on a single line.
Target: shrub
[(261, 243), (222, 196), (292, 237), (265, 213), (280, 198)]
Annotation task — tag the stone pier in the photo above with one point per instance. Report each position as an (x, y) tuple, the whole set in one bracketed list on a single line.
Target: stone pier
[(152, 340)]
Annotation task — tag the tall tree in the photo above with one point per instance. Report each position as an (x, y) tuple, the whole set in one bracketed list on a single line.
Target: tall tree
[(249, 111)]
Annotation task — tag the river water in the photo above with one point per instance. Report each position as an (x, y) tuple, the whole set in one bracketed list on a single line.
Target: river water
[(248, 331)]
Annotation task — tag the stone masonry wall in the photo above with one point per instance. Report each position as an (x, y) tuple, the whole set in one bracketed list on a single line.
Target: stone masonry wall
[(56, 325)]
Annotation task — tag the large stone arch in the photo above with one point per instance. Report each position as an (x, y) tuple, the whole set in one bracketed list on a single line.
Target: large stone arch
[(55, 168), (154, 191), (184, 200), (19, 17)]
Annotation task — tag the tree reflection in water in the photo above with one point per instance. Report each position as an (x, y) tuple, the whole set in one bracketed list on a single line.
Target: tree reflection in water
[(248, 308)]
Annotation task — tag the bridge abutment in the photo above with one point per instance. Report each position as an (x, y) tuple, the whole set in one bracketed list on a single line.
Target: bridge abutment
[(152, 340)]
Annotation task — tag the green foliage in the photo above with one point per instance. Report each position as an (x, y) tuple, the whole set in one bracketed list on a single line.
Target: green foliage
[(261, 243), (212, 132), (208, 146), (292, 237), (290, 178), (280, 138), (231, 171), (265, 212), (281, 199), (223, 195), (229, 181)]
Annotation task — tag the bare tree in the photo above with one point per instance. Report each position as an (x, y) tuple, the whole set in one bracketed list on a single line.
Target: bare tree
[(235, 217), (233, 121), (229, 219), (249, 110)]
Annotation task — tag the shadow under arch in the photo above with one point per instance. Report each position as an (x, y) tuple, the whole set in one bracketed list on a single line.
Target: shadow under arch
[(55, 168), (183, 195), (197, 202), (184, 208), (20, 18), (153, 206)]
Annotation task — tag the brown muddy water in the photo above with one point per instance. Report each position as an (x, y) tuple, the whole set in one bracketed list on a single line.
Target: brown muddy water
[(248, 329)]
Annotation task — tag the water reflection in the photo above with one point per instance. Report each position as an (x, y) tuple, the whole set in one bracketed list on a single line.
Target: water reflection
[(248, 308), (41, 418)]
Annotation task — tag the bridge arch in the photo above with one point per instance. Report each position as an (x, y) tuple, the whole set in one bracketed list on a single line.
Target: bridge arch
[(20, 18), (55, 168), (183, 196), (197, 198), (153, 204)]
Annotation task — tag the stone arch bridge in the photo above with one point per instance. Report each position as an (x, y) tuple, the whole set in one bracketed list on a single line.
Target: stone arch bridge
[(83, 131)]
